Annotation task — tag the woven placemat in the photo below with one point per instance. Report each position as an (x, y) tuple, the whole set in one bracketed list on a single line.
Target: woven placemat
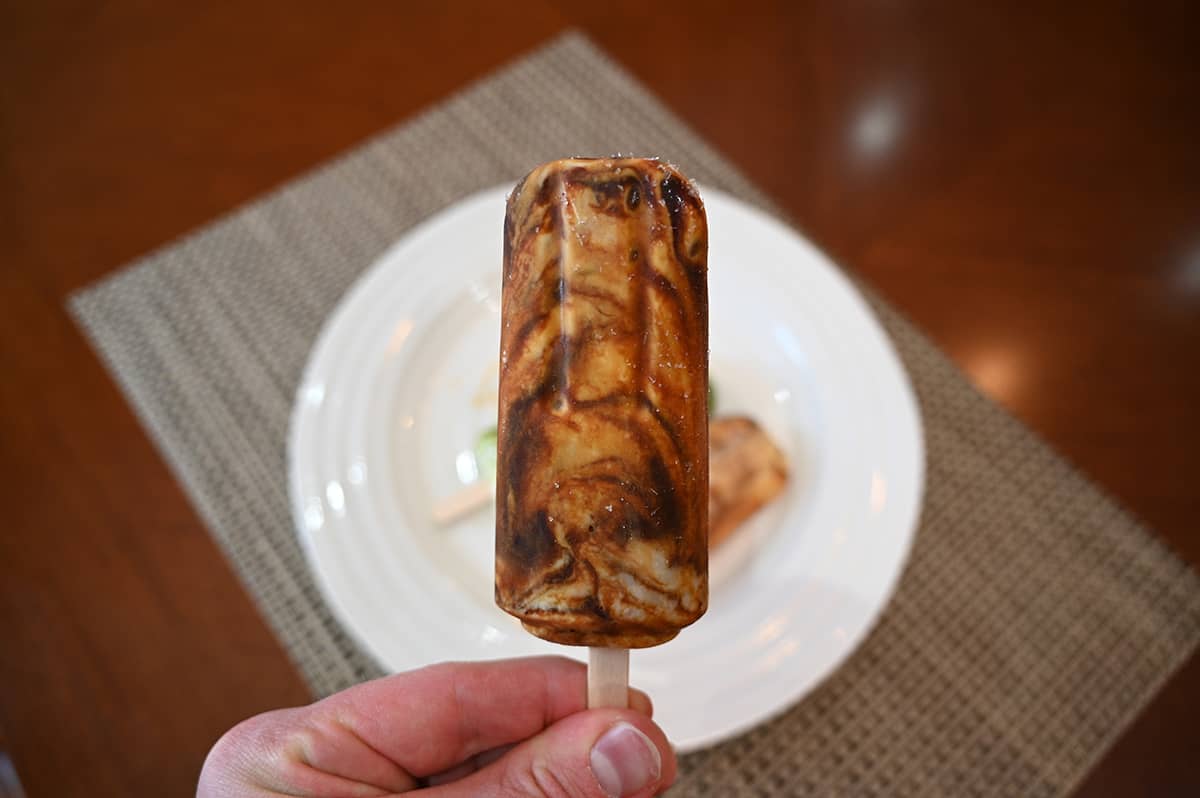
[(1035, 617)]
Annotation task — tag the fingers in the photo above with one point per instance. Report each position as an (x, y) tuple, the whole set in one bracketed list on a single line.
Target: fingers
[(444, 722), (640, 702), (464, 769), (601, 753), (432, 719), (294, 752)]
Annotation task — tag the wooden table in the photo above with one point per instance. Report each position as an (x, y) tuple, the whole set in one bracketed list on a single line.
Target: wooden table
[(1024, 185)]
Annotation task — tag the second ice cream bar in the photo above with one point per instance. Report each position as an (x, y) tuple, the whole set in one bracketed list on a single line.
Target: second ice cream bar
[(602, 450)]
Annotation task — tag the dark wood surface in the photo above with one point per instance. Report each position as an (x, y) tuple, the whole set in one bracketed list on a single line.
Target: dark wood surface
[(1025, 185)]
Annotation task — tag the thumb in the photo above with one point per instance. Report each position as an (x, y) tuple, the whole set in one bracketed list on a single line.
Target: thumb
[(598, 753)]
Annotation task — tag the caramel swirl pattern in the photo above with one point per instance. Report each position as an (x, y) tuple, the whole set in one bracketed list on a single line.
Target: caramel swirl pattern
[(601, 522)]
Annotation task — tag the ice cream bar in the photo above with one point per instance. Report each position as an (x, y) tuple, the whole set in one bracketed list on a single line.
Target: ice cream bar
[(602, 449)]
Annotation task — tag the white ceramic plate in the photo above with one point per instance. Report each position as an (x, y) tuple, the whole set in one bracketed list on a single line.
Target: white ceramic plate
[(403, 379)]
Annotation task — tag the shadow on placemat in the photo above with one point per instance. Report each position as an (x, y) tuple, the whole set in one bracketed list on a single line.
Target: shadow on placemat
[(1035, 617)]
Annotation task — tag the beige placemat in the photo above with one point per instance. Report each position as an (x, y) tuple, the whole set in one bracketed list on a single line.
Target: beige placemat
[(1033, 622)]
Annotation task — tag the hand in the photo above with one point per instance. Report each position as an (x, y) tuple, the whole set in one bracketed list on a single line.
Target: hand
[(458, 730)]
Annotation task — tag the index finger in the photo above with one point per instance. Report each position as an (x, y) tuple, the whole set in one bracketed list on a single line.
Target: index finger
[(429, 720)]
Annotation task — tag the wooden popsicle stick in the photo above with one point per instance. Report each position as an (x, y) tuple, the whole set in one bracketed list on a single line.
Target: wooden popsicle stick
[(608, 677)]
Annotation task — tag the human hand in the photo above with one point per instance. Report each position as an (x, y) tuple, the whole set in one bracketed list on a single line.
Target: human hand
[(458, 730)]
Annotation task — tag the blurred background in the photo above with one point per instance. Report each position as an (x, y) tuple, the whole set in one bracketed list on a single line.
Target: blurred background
[(1021, 180)]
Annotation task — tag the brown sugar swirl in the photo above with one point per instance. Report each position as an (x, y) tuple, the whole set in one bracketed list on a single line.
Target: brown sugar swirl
[(602, 454)]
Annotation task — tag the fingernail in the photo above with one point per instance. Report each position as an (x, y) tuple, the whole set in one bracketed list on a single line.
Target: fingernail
[(625, 761)]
